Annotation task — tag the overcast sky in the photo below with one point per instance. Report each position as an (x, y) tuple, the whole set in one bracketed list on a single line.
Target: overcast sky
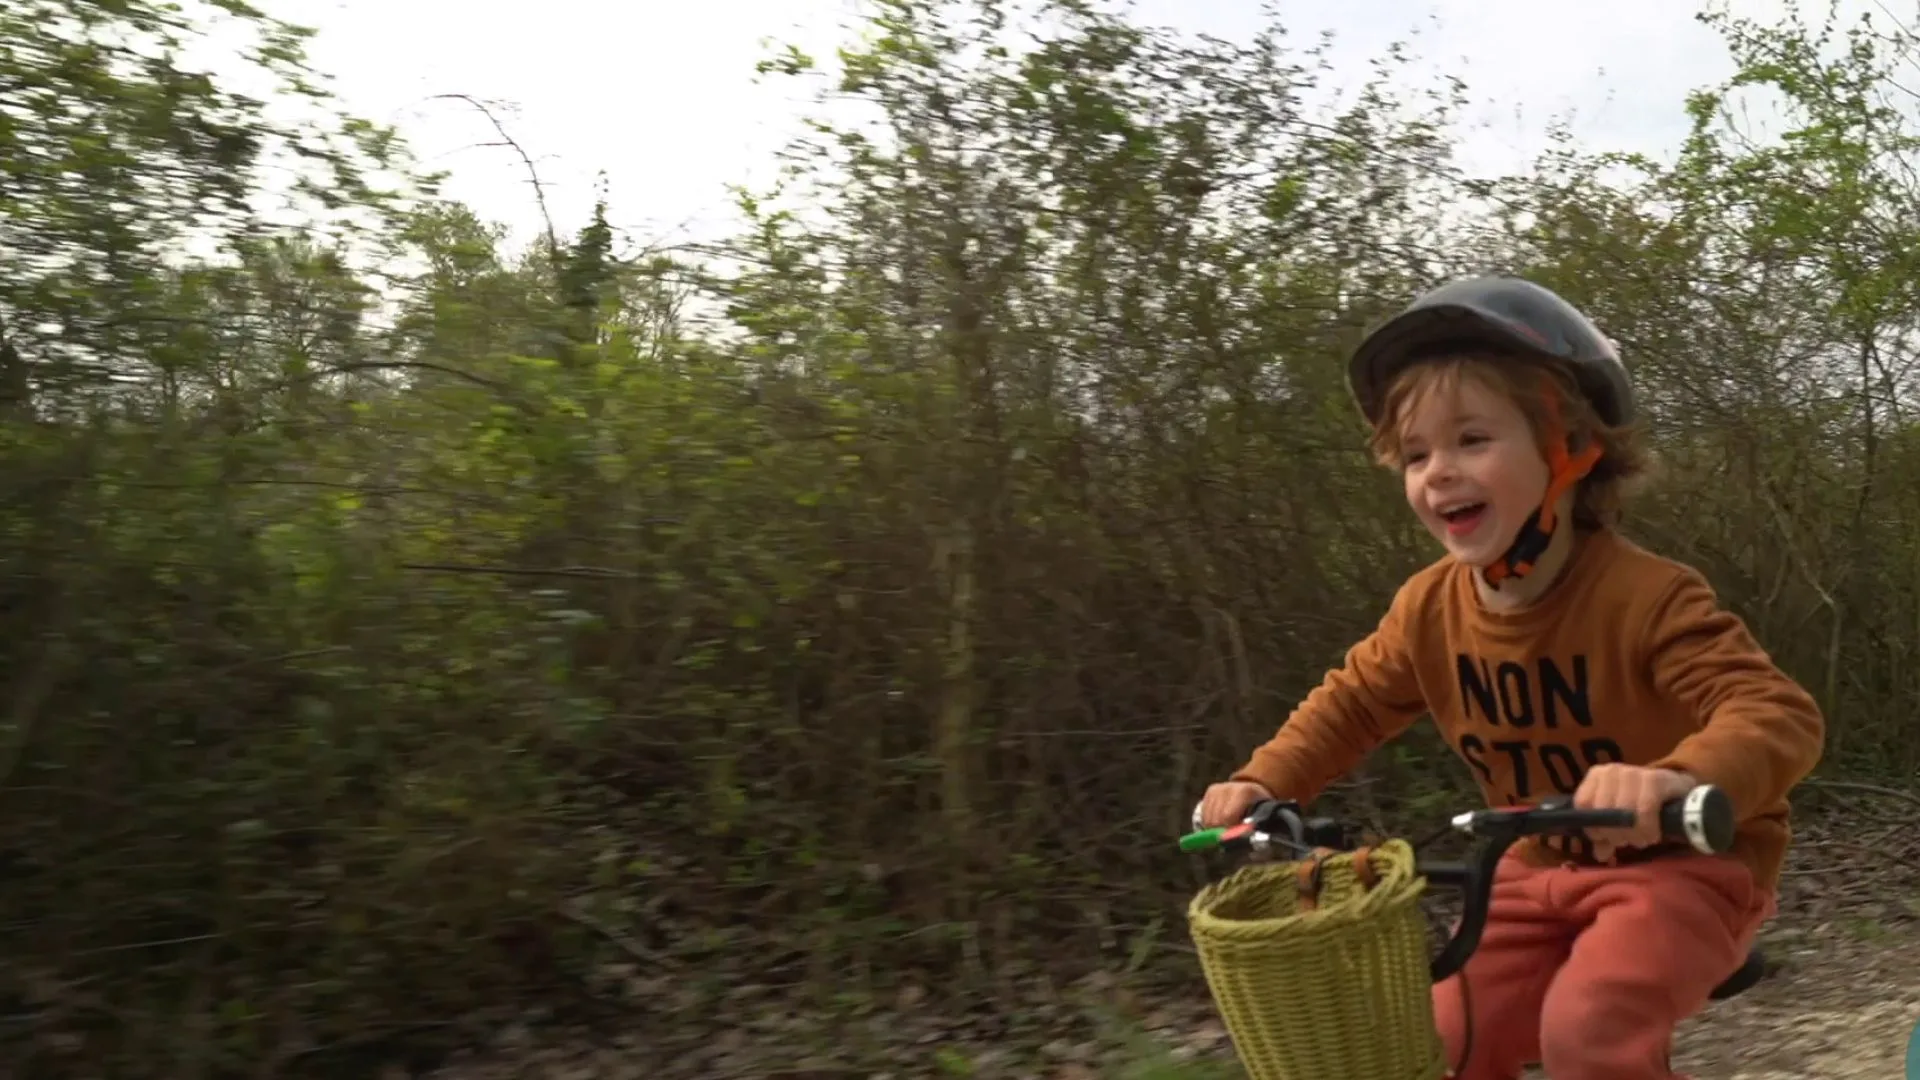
[(662, 95)]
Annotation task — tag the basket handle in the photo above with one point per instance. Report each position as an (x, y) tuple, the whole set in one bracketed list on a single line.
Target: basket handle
[(1308, 876)]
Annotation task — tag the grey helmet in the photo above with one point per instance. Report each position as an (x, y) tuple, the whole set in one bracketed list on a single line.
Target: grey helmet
[(1504, 312)]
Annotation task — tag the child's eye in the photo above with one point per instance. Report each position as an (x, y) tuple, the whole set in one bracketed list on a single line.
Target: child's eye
[(1472, 438), (1414, 458)]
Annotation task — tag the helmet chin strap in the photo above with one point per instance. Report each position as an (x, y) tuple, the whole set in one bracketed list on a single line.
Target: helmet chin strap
[(1564, 470)]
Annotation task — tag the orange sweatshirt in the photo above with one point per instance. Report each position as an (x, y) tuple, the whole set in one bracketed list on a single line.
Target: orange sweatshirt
[(1627, 658)]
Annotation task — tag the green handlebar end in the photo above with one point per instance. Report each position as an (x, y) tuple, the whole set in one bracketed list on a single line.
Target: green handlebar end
[(1202, 840)]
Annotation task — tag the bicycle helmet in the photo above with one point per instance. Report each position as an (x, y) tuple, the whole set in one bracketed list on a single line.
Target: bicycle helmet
[(1519, 318), (1510, 314)]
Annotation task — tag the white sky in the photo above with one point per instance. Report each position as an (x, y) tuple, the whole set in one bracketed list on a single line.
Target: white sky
[(662, 95)]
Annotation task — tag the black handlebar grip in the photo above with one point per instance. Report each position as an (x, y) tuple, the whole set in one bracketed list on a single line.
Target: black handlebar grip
[(1702, 817)]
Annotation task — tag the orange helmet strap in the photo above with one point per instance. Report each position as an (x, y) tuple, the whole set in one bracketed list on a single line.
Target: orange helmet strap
[(1564, 470)]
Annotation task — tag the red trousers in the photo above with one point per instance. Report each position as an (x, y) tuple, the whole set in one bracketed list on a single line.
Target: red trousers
[(1586, 970)]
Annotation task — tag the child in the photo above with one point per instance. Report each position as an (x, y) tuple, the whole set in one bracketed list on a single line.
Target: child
[(1555, 656)]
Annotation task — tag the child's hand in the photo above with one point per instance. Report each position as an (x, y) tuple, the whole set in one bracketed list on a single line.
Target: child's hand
[(1226, 804), (1629, 787)]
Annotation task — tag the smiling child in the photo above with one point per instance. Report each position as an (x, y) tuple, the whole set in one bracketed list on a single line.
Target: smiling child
[(1555, 655)]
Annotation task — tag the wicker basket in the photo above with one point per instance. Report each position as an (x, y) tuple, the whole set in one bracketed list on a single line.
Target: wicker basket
[(1319, 976)]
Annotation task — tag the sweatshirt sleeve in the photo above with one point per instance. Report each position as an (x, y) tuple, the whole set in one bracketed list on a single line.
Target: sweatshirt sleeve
[(1763, 733), (1369, 699)]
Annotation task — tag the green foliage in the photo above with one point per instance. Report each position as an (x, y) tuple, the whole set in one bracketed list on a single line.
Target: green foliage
[(382, 652)]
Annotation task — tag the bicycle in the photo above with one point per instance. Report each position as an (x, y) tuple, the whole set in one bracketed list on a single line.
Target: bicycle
[(1381, 940)]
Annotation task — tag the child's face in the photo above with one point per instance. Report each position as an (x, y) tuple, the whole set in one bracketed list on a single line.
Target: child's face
[(1473, 469)]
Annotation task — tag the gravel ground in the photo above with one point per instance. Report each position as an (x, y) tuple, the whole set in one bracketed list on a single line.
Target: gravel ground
[(1841, 1002), (1843, 1009)]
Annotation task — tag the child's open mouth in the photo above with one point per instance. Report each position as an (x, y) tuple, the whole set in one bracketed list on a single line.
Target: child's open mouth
[(1463, 519)]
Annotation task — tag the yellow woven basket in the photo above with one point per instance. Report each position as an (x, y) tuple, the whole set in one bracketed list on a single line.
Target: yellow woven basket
[(1319, 976)]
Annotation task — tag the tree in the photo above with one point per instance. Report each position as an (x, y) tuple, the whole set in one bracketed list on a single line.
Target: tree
[(119, 161)]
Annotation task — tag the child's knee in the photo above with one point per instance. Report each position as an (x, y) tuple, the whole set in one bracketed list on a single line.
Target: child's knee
[(1590, 1031)]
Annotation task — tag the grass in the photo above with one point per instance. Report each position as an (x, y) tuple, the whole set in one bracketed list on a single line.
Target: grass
[(1144, 1057), (1164, 1067)]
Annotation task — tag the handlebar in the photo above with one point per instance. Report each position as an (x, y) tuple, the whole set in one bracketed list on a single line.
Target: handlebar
[(1702, 819)]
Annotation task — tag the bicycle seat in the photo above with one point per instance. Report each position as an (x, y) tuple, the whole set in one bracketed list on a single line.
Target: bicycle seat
[(1750, 972)]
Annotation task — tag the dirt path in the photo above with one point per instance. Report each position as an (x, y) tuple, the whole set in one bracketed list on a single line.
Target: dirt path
[(1844, 1008), (1841, 1004), (1841, 1000)]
